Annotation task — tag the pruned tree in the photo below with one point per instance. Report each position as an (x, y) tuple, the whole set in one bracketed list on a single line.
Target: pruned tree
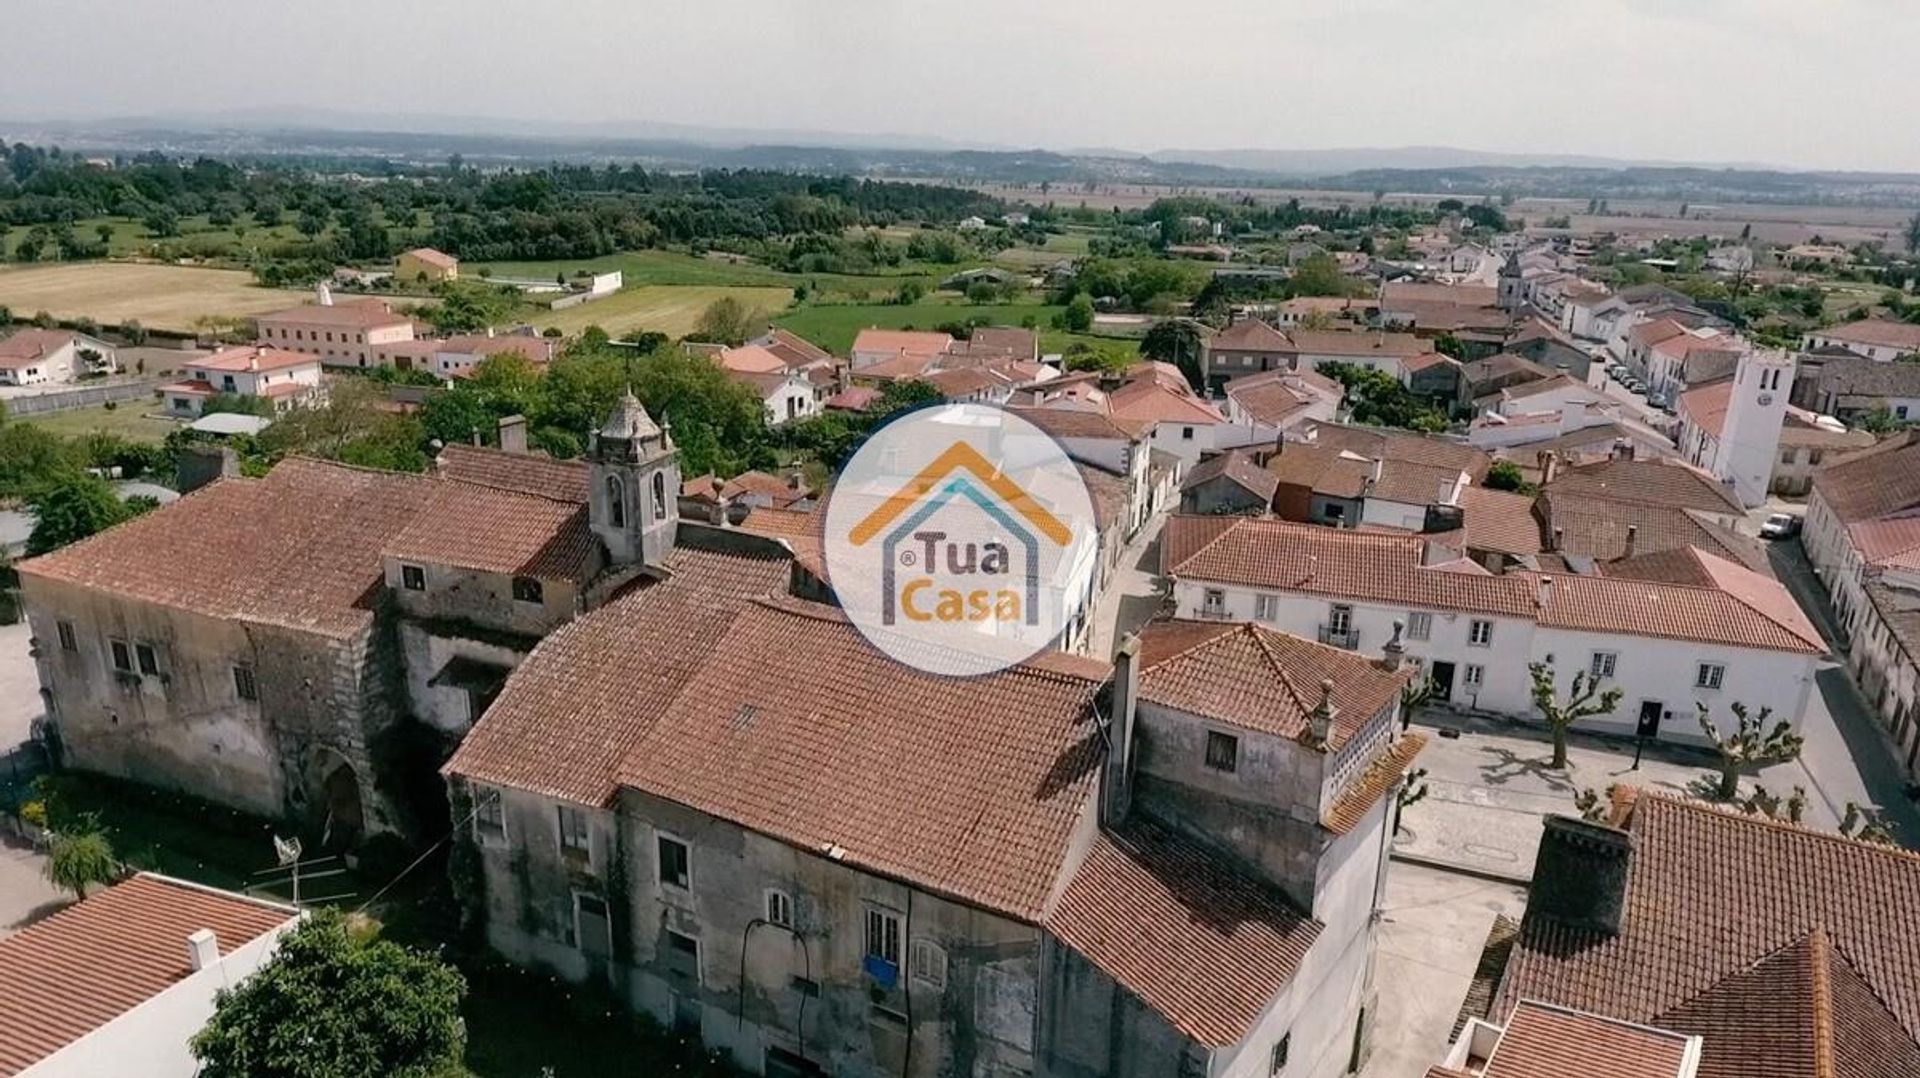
[(1414, 790), (1592, 805), (1762, 802), (1867, 824), (1753, 744), (1414, 695), (1585, 701)]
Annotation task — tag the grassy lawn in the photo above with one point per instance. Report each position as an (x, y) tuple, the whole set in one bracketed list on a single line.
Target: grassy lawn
[(668, 309), (834, 327), (160, 297), (126, 420)]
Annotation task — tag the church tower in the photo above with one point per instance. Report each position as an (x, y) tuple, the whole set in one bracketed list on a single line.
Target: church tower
[(1750, 433), (634, 477), (1511, 293)]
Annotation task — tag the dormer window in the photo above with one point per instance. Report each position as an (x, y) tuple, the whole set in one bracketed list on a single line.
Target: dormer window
[(616, 503)]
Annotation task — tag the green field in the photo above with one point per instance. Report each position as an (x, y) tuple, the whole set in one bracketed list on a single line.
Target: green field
[(668, 309), (197, 236), (834, 327), (128, 420), (676, 268)]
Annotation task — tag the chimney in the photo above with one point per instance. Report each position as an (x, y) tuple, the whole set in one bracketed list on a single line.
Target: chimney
[(1546, 590), (1554, 540), (1549, 466), (1580, 874), (325, 294), (796, 480), (1633, 539), (1394, 653), (489, 332), (197, 465), (513, 434), (203, 950), (1320, 721), (1116, 780)]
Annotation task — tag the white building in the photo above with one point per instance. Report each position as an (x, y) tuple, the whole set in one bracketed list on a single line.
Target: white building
[(120, 982), (1735, 428), (1725, 634), (282, 378), (1873, 338), (457, 356), (52, 356)]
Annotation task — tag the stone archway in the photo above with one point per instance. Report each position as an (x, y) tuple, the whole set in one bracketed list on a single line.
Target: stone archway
[(338, 810)]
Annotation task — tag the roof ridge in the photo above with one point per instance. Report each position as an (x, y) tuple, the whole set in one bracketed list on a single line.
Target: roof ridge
[(1728, 812), (1225, 628), (1273, 659), (1819, 947)]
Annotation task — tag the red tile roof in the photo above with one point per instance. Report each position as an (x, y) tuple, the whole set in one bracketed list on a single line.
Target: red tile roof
[(1665, 482), (497, 531), (521, 473), (434, 258), (1206, 947), (29, 345), (252, 358), (1366, 789), (1146, 400), (1500, 521), (1238, 469), (1257, 679), (1357, 343), (780, 491), (917, 342), (88, 964), (1545, 1041), (352, 313), (1874, 482), (1409, 483), (1074, 423), (1731, 922), (1251, 335), (1381, 444), (1875, 331)]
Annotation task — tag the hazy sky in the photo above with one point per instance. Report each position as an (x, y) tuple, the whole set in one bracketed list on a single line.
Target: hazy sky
[(1818, 83)]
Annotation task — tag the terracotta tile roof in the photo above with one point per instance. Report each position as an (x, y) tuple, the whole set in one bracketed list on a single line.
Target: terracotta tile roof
[(1366, 789), (1597, 528), (901, 340), (593, 688), (782, 523), (1148, 401), (352, 313), (535, 349), (252, 358), (1255, 678), (1729, 922), (795, 349), (1325, 470), (1271, 397), (1357, 343), (1409, 483), (1747, 610), (1652, 333), (498, 531), (954, 384), (750, 359), (1203, 945), (792, 725), (1545, 1041), (1023, 343), (853, 399), (1426, 359), (300, 548), (29, 345), (434, 258), (1875, 331), (780, 491), (1381, 444), (1251, 335), (521, 473), (1666, 482), (1073, 423), (905, 366), (1236, 468), (1500, 521), (1679, 566), (1874, 482), (1472, 295), (1110, 491), (88, 964)]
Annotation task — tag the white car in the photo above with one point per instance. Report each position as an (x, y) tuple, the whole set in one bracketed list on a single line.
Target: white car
[(1780, 526)]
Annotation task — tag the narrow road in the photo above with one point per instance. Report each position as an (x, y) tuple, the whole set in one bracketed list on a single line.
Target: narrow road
[(1133, 594)]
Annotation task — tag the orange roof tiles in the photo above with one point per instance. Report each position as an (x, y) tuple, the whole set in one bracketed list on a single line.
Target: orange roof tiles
[(1206, 947), (252, 358), (1251, 335), (1875, 331), (1545, 1041), (1366, 789), (918, 342), (521, 473), (93, 961), (497, 531), (1874, 482), (352, 313), (1148, 400), (1665, 482), (1500, 521), (1073, 423), (1255, 678), (434, 258), (1730, 923), (30, 345)]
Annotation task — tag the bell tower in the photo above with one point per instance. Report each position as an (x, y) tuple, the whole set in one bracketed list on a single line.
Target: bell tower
[(1750, 432), (634, 477), (1511, 294)]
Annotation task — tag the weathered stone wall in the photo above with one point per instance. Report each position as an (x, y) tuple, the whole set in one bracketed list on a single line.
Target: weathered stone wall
[(482, 599), (1093, 1028)]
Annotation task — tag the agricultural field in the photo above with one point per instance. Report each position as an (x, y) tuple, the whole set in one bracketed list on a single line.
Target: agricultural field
[(833, 327), (668, 309), (159, 297), (678, 268), (129, 420)]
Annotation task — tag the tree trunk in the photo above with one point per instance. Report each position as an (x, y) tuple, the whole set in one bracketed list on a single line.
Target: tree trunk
[(1729, 785), (1559, 748)]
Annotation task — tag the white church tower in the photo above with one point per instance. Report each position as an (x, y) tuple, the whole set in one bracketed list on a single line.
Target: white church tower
[(1750, 434)]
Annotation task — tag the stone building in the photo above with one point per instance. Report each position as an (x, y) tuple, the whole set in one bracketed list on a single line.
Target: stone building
[(718, 802)]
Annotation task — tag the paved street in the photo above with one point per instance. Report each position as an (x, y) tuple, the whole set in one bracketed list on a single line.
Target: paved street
[(1133, 595), (19, 686), (1433, 925)]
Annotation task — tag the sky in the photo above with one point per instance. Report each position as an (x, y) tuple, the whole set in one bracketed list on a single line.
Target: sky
[(1801, 83)]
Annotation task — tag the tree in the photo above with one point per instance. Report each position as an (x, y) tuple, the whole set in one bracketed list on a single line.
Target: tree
[(1752, 744), (1867, 824), (1317, 275), (728, 321), (1881, 420), (1585, 701), (80, 858), (1591, 806), (1177, 341), (1506, 475), (330, 1005), (76, 506), (133, 331), (162, 221), (1764, 803), (104, 230), (1913, 233), (1078, 317), (1083, 356)]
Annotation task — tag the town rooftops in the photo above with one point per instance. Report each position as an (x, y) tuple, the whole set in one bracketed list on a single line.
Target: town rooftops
[(1874, 482), (1652, 333), (252, 358), (750, 359), (352, 313), (912, 342), (434, 258), (1237, 469), (1251, 335), (1541, 1040), (1357, 343), (93, 961), (1272, 397), (1501, 521), (1257, 679), (518, 472), (1820, 977), (1746, 610), (1021, 343), (1147, 400), (1075, 423), (1379, 443), (795, 349), (1469, 295), (1664, 482), (490, 530), (1875, 332)]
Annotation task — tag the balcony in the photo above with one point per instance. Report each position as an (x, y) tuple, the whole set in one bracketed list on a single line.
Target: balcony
[(1348, 637), (1211, 613)]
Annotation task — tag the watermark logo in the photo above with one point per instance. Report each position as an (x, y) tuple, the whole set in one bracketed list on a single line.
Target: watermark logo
[(960, 540)]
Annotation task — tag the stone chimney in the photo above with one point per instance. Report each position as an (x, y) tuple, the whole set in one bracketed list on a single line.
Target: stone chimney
[(1580, 875), (1116, 779), (1549, 466), (1393, 654), (1622, 449), (198, 465), (1633, 540), (513, 434), (796, 480), (203, 950), (1546, 591), (1554, 540), (1320, 721)]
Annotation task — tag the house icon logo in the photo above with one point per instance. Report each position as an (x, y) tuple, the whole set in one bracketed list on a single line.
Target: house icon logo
[(959, 540)]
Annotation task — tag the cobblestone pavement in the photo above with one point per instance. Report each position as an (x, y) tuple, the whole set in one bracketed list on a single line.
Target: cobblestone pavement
[(1433, 924)]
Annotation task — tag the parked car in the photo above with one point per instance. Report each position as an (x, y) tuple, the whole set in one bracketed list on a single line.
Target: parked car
[(1660, 401), (1780, 526), (1617, 371)]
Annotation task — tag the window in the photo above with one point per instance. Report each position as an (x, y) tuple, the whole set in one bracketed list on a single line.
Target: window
[(1900, 412), (1475, 675), (928, 963), (780, 909), (526, 589), (1814, 455), (1419, 625), (413, 578), (67, 641), (1223, 751), (683, 954), (1266, 607), (148, 659), (1786, 455), (883, 935), (1281, 1049), (1603, 664), (1339, 620), (1709, 675), (1186, 434), (676, 862), (616, 503), (244, 686), (489, 815), (574, 839), (1480, 633), (122, 655), (1214, 602)]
